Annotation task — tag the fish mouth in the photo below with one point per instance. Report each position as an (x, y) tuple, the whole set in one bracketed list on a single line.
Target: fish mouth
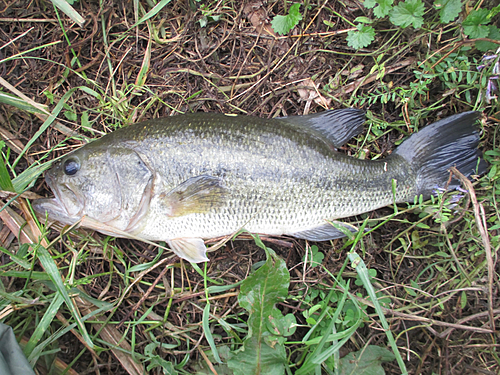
[(53, 210), (65, 207)]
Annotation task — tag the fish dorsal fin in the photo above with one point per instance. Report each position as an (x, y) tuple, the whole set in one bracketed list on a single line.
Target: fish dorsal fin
[(197, 194), (191, 249), (338, 126), (326, 231)]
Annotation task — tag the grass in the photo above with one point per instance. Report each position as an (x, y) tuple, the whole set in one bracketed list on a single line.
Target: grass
[(422, 280)]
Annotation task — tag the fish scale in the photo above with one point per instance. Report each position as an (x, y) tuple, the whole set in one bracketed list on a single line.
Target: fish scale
[(183, 179), (282, 186)]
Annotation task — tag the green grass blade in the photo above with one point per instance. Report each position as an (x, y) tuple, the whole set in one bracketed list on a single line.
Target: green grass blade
[(143, 73), (359, 265), (23, 180), (39, 350), (46, 123), (44, 324), (314, 360), (50, 267), (5, 181), (153, 12), (69, 11), (14, 101), (35, 275), (208, 333), (223, 288), (206, 320), (19, 260), (201, 273)]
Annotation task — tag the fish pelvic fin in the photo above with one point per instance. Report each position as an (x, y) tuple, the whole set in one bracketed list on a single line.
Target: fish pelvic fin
[(195, 195), (337, 126), (325, 232), (191, 249), (450, 142)]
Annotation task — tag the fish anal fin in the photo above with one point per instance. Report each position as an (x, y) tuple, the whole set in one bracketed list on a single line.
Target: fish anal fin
[(327, 231), (191, 249), (198, 194)]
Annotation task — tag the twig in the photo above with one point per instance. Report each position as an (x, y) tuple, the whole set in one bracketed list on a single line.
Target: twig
[(146, 295), (481, 226)]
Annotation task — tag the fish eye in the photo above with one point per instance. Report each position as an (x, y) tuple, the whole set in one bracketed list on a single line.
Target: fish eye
[(71, 166)]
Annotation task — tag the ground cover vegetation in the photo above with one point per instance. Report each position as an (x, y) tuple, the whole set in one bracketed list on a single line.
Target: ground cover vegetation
[(417, 292)]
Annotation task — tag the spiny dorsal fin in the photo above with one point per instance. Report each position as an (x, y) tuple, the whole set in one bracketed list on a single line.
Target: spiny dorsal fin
[(338, 126), (195, 195)]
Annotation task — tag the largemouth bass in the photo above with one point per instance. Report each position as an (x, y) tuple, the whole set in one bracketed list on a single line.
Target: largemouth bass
[(186, 178)]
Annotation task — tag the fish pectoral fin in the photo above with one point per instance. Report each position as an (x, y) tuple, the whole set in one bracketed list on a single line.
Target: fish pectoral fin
[(191, 249), (325, 232), (196, 195)]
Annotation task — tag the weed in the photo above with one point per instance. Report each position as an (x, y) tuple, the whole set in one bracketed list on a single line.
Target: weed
[(283, 24), (411, 13)]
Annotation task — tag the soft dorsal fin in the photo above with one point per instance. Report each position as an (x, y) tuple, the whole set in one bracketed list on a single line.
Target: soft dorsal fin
[(338, 126)]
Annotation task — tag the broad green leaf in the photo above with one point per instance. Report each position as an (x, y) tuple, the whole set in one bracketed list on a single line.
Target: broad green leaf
[(369, 4), (263, 351), (262, 290), (258, 358), (71, 115), (314, 257), (494, 33), (448, 9), (474, 24), (283, 24), (362, 37), (383, 9), (282, 325), (366, 361), (463, 300), (408, 13)]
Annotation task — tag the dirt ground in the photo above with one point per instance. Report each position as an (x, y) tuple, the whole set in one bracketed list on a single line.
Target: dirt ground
[(224, 57)]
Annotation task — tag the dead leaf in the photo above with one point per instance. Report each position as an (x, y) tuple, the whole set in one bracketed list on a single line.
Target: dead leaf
[(312, 94)]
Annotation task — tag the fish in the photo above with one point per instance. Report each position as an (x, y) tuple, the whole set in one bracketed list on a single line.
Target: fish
[(188, 178)]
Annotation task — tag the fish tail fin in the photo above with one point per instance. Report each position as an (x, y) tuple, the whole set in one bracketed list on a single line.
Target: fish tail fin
[(450, 142)]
